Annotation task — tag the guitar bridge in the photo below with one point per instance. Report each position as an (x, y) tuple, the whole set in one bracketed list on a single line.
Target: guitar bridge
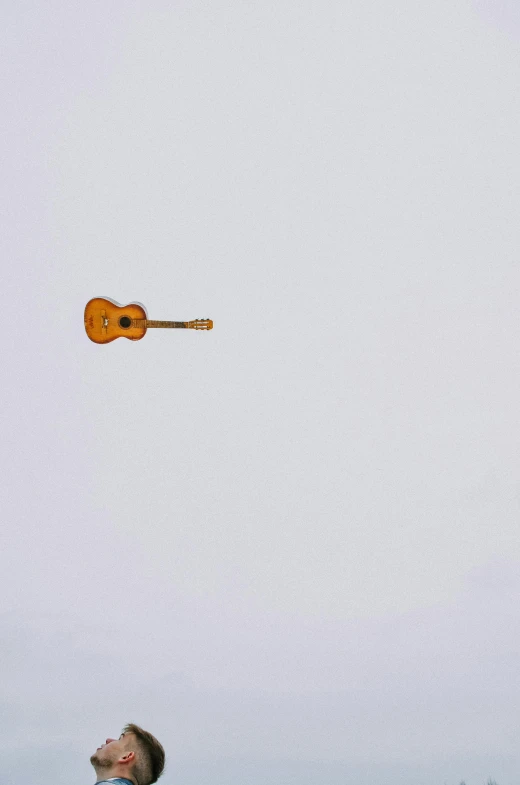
[(104, 321)]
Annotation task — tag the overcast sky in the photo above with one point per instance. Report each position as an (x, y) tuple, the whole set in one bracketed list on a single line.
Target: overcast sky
[(287, 547)]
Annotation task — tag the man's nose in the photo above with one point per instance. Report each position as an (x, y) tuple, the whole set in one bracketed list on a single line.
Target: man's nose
[(107, 741)]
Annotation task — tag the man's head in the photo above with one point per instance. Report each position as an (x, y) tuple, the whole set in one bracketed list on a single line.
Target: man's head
[(136, 755)]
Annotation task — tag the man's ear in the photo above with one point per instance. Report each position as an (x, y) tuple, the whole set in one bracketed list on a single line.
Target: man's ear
[(128, 758)]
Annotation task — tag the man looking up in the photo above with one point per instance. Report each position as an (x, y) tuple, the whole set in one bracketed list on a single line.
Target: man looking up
[(135, 758)]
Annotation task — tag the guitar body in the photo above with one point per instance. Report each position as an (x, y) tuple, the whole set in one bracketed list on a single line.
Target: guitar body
[(105, 320)]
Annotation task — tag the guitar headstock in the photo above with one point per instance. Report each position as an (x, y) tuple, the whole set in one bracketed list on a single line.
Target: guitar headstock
[(201, 324)]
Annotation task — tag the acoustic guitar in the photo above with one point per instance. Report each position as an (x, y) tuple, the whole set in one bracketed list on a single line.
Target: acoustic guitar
[(106, 320)]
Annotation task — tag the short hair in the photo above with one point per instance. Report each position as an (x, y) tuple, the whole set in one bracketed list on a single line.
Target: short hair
[(149, 764)]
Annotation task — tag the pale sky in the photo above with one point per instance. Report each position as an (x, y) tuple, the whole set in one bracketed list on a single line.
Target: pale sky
[(287, 547)]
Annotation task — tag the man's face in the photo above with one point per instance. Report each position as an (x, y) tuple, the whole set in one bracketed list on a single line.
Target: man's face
[(108, 754)]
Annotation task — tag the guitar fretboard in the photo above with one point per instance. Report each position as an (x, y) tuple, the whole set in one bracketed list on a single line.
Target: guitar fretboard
[(155, 323)]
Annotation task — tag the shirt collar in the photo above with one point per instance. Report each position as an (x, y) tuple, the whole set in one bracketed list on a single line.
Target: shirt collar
[(115, 779)]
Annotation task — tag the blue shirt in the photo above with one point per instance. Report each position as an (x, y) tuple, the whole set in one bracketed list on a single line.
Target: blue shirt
[(117, 780)]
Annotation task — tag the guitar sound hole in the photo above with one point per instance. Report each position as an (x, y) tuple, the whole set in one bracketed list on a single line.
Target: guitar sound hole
[(125, 321)]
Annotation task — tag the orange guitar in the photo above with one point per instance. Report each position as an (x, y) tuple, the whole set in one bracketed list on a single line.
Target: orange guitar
[(106, 320)]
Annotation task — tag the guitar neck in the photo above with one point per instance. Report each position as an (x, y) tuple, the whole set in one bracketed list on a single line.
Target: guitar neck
[(197, 324), (156, 323)]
